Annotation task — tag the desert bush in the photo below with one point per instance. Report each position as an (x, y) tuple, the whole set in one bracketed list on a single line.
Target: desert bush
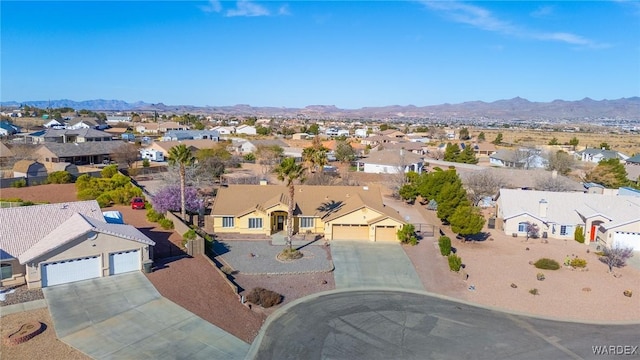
[(578, 234), (445, 245), (263, 297), (108, 171), (534, 291), (19, 183), (189, 235), (578, 263), (407, 234), (146, 163), (540, 276), (165, 224), (104, 200), (59, 177), (547, 264), (455, 262)]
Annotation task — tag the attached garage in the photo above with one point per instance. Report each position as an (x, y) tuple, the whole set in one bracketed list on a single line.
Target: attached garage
[(350, 232), (62, 272), (124, 261), (386, 233), (627, 239)]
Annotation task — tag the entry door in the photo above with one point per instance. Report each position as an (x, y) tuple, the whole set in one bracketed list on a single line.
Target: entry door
[(593, 233), (280, 222)]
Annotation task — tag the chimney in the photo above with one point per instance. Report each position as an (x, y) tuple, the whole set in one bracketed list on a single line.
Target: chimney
[(544, 206)]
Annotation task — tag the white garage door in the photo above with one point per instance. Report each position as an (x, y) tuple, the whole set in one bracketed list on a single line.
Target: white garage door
[(627, 239), (62, 272), (124, 261)]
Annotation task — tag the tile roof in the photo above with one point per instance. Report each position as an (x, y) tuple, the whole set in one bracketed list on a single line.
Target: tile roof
[(391, 157), (326, 202), (78, 225), (22, 227), (84, 148), (83, 132)]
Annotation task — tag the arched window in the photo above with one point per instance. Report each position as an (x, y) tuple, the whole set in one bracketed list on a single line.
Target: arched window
[(523, 227)]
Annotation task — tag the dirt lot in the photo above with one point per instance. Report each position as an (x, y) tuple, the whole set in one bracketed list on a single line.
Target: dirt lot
[(53, 193)]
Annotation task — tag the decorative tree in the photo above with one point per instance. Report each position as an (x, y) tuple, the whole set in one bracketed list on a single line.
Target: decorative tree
[(181, 155), (451, 152), (578, 234), (290, 172), (169, 198), (574, 142), (466, 220), (616, 256), (407, 234), (498, 139), (610, 173), (449, 199)]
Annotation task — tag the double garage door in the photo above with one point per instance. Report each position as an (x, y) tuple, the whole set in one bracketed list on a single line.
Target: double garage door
[(627, 239), (62, 272), (351, 232)]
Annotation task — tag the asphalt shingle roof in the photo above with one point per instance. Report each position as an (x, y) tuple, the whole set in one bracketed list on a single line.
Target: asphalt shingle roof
[(84, 148)]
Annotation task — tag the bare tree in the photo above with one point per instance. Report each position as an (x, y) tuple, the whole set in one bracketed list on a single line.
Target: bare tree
[(616, 256), (126, 154), (560, 161), (481, 184), (268, 157), (526, 157), (552, 182)]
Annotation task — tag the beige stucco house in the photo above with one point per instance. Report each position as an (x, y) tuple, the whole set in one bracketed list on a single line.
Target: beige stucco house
[(336, 212), (605, 219), (46, 245)]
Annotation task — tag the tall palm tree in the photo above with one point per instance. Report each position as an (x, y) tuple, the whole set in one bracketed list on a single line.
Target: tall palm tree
[(181, 155), (289, 171)]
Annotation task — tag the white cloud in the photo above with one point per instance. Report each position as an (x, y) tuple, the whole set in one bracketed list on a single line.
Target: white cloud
[(247, 8), (482, 18), (212, 6), (284, 10), (543, 11)]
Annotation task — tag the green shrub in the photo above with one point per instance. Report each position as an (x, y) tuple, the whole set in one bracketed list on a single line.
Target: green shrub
[(263, 297), (407, 234), (166, 224), (108, 171), (455, 262), (189, 235), (104, 200), (250, 157), (578, 263), (534, 291), (578, 234), (59, 177), (154, 216), (83, 182), (445, 245), (146, 163), (19, 183), (547, 264)]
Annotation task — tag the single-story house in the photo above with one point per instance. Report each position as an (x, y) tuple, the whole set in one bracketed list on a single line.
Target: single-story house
[(53, 123), (29, 168), (484, 149), (8, 128), (605, 219), (392, 133), (337, 212), (177, 135), (193, 145), (597, 155), (246, 129), (391, 162), (634, 160), (225, 130), (521, 158), (78, 153), (46, 245), (118, 119), (83, 123), (414, 147), (299, 136), (159, 128), (73, 135), (250, 146)]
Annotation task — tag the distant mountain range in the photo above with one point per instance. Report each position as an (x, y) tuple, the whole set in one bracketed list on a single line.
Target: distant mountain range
[(585, 110)]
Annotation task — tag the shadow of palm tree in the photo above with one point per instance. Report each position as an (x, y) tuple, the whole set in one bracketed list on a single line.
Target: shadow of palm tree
[(330, 206)]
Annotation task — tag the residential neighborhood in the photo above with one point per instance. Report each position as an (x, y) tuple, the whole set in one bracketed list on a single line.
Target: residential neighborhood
[(249, 197)]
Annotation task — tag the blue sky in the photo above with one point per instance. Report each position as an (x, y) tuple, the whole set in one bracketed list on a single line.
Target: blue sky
[(350, 54)]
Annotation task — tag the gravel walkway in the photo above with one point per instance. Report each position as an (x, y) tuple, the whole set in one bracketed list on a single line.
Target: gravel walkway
[(259, 258)]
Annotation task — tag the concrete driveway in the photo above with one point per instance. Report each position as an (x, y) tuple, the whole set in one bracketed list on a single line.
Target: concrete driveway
[(373, 324), (125, 317), (366, 264)]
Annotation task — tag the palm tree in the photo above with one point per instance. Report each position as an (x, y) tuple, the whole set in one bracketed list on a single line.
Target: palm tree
[(288, 171), (181, 155)]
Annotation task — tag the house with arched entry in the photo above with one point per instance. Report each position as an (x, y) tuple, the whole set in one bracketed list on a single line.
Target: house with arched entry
[(336, 212)]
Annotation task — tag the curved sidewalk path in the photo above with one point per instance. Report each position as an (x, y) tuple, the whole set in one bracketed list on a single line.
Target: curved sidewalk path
[(397, 324)]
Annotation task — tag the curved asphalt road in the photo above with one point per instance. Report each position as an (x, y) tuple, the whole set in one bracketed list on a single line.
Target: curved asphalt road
[(381, 324)]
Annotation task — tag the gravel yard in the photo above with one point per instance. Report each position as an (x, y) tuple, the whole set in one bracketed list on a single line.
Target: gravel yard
[(19, 294), (45, 346)]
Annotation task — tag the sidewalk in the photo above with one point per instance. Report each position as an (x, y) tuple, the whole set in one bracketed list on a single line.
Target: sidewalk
[(26, 306)]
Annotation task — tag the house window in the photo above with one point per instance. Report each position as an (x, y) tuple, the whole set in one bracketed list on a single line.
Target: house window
[(306, 222), (255, 223), (563, 229), (227, 222), (6, 271), (523, 227)]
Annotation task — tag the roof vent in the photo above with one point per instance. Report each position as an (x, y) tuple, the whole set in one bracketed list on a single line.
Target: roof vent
[(64, 206)]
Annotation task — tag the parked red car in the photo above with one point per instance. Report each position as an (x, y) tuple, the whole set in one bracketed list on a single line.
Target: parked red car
[(137, 203)]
